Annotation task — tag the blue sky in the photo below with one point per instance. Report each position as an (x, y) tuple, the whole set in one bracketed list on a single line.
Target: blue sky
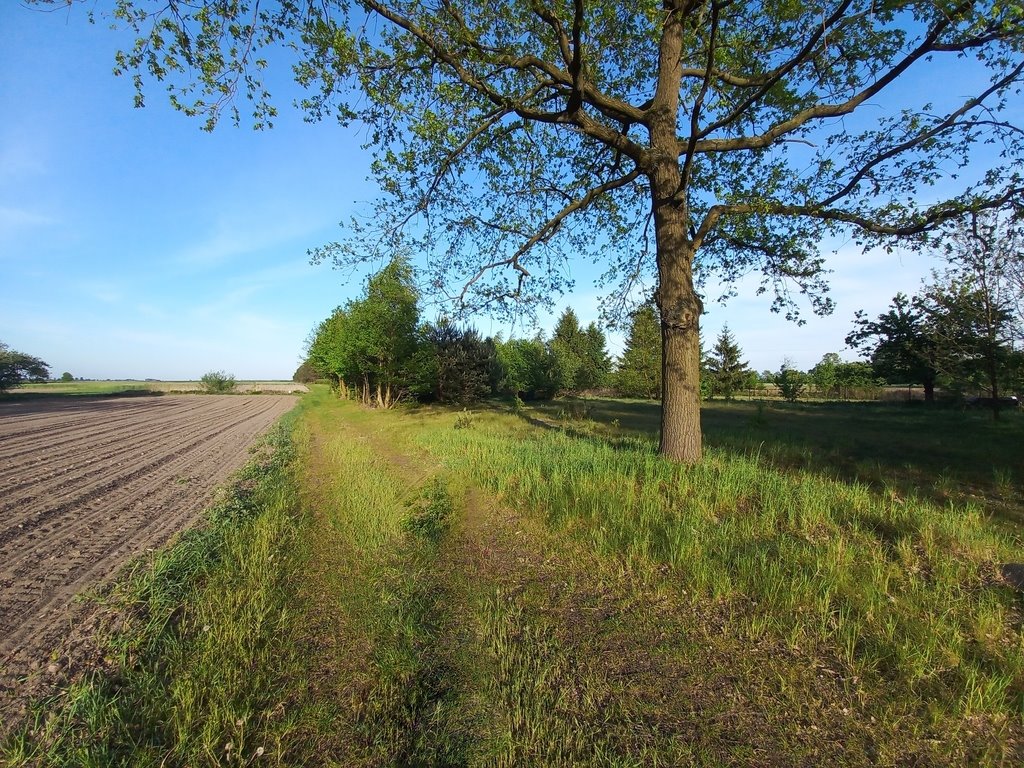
[(133, 244)]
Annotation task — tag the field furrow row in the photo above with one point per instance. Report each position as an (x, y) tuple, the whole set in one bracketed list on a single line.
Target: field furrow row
[(89, 484)]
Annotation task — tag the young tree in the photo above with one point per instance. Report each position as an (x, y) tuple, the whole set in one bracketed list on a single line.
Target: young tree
[(566, 348), (16, 368), (526, 368), (825, 374), (790, 381), (898, 344), (639, 371), (454, 365), (725, 368), (595, 364), (523, 128), (579, 355)]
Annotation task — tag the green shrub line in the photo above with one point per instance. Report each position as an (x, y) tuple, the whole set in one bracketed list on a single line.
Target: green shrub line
[(195, 666)]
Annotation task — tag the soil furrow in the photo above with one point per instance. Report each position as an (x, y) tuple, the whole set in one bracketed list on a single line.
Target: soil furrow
[(108, 479)]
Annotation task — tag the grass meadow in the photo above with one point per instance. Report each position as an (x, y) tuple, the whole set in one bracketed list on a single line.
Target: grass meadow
[(534, 585)]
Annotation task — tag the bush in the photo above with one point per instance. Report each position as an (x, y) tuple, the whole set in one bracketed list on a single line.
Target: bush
[(790, 382), (218, 382)]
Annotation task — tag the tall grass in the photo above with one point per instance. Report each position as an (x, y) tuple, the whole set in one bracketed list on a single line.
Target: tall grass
[(904, 590)]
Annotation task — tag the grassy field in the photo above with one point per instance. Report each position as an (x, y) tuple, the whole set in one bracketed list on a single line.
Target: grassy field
[(535, 586)]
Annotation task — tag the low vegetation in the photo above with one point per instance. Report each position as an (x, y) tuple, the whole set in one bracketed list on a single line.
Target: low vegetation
[(534, 585), (218, 382)]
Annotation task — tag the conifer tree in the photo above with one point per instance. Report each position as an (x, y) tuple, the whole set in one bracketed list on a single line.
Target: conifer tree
[(639, 372), (728, 371)]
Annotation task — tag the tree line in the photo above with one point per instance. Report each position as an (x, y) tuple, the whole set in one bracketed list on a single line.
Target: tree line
[(959, 334)]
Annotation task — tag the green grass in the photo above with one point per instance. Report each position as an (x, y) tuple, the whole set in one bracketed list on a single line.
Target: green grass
[(498, 588), (903, 591), (197, 663), (943, 454)]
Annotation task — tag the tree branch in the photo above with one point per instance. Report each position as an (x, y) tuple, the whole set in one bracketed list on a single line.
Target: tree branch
[(549, 229), (822, 111), (931, 218)]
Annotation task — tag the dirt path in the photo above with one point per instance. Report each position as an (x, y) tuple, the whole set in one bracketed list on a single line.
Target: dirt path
[(86, 484)]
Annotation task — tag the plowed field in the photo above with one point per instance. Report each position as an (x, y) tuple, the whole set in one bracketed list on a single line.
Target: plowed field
[(86, 484)]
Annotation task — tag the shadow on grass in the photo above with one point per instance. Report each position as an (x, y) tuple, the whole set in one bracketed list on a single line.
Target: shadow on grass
[(945, 455)]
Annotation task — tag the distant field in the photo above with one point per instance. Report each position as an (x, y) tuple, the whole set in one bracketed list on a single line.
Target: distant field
[(135, 386)]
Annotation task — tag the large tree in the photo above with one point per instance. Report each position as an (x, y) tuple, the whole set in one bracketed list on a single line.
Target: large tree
[(695, 135), (16, 368), (899, 344)]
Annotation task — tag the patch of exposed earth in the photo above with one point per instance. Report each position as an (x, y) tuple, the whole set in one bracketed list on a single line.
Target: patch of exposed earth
[(86, 484)]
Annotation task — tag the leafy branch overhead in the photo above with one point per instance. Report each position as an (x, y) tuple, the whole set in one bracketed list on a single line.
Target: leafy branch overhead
[(561, 115), (676, 141)]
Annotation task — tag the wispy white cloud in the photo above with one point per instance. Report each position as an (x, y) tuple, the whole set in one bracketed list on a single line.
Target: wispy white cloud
[(18, 219), (20, 158), (237, 236), (102, 291)]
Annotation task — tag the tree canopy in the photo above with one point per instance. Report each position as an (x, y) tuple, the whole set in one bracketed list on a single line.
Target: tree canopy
[(17, 367), (698, 137)]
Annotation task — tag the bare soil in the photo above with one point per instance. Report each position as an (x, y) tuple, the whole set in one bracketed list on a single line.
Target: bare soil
[(86, 484)]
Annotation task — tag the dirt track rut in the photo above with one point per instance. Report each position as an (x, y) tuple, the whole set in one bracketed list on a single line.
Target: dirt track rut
[(87, 483)]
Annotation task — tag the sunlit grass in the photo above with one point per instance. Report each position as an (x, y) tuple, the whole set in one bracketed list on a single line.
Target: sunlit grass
[(904, 590)]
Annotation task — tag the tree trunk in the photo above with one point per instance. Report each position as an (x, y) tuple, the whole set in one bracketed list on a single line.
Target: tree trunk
[(680, 308), (679, 303)]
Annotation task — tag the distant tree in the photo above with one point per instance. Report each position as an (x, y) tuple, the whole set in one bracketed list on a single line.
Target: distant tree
[(367, 346), (306, 373), (974, 306), (595, 363), (899, 344), (851, 376), (790, 381), (217, 382), (566, 347), (639, 370), (454, 365), (526, 366), (824, 375), (972, 335), (66, 376), (725, 368), (16, 368)]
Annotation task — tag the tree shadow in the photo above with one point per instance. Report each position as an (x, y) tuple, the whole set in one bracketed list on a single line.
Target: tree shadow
[(944, 455)]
